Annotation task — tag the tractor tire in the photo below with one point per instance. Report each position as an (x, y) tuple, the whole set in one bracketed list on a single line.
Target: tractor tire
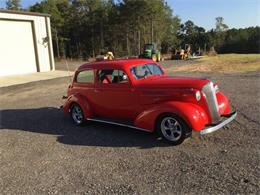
[(154, 57), (158, 57)]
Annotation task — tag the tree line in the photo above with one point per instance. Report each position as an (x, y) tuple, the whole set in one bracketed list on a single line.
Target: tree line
[(84, 28)]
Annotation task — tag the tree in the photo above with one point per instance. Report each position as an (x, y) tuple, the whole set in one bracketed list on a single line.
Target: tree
[(170, 39), (84, 28), (242, 41), (57, 21), (13, 4), (192, 34), (220, 25), (189, 27), (147, 21), (220, 30)]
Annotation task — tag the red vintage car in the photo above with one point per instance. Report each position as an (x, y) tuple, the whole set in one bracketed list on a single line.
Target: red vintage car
[(137, 93)]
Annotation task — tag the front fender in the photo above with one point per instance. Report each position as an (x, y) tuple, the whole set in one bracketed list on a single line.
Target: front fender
[(81, 101), (195, 117), (223, 104)]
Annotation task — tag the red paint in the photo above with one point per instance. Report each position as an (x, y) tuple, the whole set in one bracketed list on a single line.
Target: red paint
[(144, 100), (224, 106)]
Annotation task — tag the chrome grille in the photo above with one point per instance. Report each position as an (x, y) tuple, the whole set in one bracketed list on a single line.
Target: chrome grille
[(211, 99)]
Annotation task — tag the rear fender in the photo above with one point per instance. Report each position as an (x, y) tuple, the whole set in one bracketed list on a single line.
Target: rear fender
[(195, 117), (81, 101)]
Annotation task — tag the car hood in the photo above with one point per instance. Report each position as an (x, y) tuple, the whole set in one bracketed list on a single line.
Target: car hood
[(172, 82)]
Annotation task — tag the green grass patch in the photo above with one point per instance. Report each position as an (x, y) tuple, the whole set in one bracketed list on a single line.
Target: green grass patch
[(224, 63)]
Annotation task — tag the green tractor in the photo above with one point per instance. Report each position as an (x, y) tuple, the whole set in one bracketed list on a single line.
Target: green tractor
[(151, 52)]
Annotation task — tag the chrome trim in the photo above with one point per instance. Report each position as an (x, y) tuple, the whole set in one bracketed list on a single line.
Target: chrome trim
[(119, 124), (220, 125), (211, 98)]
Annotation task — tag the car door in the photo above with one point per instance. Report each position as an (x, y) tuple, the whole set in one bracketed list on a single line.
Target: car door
[(115, 96), (84, 84)]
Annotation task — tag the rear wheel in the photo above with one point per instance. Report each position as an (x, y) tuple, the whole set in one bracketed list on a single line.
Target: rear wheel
[(172, 129), (77, 114)]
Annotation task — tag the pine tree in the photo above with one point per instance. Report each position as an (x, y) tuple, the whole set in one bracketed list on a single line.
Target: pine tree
[(13, 4)]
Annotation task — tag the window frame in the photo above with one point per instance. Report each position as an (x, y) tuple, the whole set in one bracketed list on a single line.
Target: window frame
[(89, 83)]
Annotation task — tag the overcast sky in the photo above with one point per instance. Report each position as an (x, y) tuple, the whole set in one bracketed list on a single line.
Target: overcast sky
[(236, 13)]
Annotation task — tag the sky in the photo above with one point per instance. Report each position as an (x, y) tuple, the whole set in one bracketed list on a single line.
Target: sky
[(236, 13)]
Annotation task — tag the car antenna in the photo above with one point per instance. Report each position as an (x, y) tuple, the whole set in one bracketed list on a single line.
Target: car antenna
[(68, 70)]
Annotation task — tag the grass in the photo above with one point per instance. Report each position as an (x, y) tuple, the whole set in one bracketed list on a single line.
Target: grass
[(224, 63)]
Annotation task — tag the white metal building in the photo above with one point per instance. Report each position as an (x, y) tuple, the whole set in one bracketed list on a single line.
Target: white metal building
[(25, 43)]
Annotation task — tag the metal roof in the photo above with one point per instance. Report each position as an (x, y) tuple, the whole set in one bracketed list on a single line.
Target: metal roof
[(24, 13), (118, 63)]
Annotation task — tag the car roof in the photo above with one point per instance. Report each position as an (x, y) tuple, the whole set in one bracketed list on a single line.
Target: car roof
[(119, 63)]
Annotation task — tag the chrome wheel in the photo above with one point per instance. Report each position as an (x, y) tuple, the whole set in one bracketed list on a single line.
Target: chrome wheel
[(171, 129), (77, 114)]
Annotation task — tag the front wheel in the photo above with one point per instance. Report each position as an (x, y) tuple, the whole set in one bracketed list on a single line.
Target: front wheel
[(77, 114), (172, 129)]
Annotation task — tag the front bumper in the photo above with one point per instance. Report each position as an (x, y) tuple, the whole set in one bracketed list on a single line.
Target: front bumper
[(224, 122)]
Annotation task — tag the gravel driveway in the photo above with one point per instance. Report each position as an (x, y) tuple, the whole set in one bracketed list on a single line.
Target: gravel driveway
[(42, 152)]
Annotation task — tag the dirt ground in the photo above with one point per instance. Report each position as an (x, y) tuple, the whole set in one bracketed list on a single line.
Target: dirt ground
[(42, 152)]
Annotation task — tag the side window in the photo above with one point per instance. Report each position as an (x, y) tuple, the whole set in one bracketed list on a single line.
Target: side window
[(120, 76), (112, 76), (105, 76), (85, 76)]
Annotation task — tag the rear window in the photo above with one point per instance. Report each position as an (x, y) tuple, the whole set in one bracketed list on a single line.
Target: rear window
[(85, 76)]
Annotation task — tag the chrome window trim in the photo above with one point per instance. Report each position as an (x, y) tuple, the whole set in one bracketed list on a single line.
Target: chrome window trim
[(119, 124)]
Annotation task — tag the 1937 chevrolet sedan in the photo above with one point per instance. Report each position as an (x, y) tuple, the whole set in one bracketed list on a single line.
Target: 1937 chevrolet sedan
[(137, 93)]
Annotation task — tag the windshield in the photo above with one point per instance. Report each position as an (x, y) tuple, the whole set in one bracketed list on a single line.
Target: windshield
[(145, 70)]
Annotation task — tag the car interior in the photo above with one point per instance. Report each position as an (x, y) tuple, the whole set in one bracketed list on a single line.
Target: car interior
[(112, 76)]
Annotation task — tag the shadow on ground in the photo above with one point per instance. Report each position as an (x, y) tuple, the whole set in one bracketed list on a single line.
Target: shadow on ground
[(52, 121)]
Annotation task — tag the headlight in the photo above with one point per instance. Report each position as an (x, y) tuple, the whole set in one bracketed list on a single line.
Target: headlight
[(198, 95)]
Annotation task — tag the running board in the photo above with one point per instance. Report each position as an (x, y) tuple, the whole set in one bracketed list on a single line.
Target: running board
[(119, 124)]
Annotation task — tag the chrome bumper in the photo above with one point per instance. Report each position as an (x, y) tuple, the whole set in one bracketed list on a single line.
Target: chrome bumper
[(227, 120)]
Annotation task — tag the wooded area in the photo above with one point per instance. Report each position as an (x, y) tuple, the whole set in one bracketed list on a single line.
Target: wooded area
[(84, 28)]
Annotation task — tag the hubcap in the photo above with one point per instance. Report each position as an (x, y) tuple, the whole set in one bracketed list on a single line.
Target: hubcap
[(171, 129), (77, 114)]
